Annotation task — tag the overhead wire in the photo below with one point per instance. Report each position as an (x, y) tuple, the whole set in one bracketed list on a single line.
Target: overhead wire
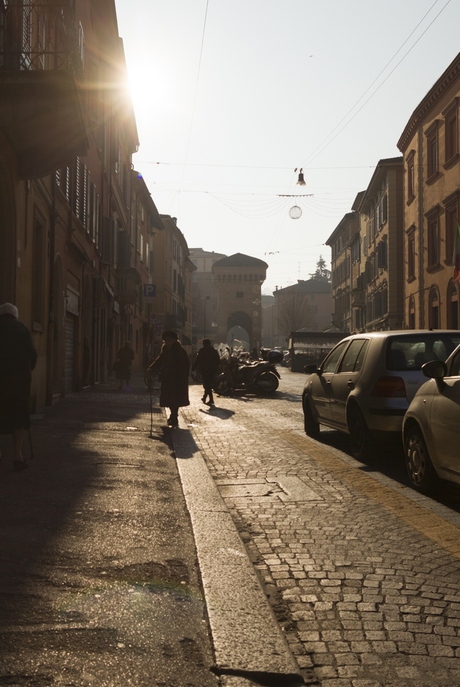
[(325, 143), (192, 117)]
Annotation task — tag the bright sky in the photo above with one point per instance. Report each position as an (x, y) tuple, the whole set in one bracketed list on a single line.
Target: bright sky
[(232, 95)]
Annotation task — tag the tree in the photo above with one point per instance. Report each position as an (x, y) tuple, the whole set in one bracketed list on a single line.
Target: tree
[(294, 313), (321, 271)]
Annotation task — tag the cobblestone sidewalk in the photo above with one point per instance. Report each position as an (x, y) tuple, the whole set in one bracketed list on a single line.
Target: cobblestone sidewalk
[(365, 579)]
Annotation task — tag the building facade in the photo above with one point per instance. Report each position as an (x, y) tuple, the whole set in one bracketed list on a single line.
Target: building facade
[(431, 150), (367, 255), (74, 249), (307, 304), (238, 279), (380, 285), (204, 295), (345, 244), (173, 271)]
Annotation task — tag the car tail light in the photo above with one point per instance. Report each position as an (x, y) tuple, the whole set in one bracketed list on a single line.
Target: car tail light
[(389, 387)]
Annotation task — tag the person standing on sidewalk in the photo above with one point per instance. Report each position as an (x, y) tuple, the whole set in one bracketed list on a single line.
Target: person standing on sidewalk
[(207, 363), (173, 366), (125, 357), (18, 358)]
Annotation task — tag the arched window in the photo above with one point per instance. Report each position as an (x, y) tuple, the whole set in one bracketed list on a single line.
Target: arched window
[(452, 305), (433, 307)]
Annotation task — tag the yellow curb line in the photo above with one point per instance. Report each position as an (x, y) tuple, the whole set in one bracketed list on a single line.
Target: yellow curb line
[(413, 514)]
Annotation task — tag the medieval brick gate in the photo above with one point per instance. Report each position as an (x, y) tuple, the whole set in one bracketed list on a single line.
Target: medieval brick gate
[(238, 280)]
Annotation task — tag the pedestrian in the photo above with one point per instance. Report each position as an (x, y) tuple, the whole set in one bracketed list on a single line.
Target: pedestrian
[(125, 357), (207, 363), (18, 358), (173, 366)]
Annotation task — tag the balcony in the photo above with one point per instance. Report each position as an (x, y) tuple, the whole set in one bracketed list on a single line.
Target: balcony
[(41, 107)]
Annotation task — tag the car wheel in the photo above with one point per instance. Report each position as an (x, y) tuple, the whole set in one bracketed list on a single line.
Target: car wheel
[(360, 437), (419, 467), (310, 424)]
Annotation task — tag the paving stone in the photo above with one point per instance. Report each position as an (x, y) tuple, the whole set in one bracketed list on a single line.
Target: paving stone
[(362, 587)]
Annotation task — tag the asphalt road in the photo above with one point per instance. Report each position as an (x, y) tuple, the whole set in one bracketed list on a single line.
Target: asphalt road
[(363, 573)]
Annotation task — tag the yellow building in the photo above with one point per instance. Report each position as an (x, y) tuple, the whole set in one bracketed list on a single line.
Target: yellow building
[(238, 280), (173, 269), (431, 150), (74, 250)]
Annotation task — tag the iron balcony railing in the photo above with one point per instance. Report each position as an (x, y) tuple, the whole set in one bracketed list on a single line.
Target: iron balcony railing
[(40, 35)]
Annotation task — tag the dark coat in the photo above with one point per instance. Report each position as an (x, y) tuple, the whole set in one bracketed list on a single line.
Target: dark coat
[(173, 366), (18, 358), (207, 361)]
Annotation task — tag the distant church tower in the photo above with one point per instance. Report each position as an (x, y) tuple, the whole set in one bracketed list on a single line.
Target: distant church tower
[(238, 280)]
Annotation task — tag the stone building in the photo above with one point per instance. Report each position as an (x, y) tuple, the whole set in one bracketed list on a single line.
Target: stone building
[(379, 286), (431, 149), (238, 279), (73, 249), (307, 304), (173, 271), (367, 255), (345, 243), (204, 295)]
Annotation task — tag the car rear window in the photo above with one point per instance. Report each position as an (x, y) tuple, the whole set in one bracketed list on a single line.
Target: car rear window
[(412, 351)]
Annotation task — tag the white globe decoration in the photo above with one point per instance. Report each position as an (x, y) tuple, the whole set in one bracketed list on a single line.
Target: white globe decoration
[(295, 212)]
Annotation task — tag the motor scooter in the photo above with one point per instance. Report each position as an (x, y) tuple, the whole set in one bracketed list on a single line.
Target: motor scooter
[(260, 376)]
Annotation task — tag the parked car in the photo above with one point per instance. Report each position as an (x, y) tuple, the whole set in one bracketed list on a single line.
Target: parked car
[(365, 384), (431, 426)]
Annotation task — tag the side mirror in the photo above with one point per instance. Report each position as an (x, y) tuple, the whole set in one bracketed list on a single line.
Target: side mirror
[(435, 369), (312, 369)]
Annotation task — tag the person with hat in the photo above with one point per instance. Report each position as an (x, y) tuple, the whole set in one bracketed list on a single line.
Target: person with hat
[(18, 358)]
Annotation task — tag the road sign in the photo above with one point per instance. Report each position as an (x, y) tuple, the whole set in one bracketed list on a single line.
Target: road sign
[(149, 292)]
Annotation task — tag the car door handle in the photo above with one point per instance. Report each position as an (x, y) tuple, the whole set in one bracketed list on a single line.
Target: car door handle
[(351, 385)]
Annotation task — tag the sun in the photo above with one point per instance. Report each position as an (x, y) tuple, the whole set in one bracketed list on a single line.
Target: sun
[(150, 87)]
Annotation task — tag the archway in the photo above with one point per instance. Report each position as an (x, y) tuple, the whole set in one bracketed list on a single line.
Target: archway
[(239, 328)]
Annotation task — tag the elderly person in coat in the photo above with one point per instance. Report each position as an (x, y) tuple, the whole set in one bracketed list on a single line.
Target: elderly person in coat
[(17, 360), (173, 366)]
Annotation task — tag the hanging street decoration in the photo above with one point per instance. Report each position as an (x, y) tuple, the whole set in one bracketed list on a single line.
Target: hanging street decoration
[(295, 212)]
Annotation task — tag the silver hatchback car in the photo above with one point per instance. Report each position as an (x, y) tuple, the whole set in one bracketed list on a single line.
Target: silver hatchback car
[(431, 426), (365, 384)]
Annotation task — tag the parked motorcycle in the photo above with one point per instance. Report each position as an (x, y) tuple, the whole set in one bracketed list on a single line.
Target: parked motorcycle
[(260, 376)]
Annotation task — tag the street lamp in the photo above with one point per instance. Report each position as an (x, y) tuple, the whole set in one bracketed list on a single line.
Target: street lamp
[(206, 298)]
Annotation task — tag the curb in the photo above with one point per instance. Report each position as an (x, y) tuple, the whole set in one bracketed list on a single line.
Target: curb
[(246, 635)]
